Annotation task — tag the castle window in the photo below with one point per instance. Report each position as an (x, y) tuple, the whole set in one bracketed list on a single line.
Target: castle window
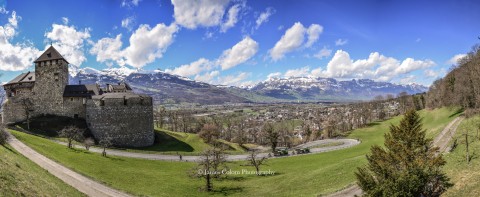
[(71, 99), (102, 103), (124, 101), (55, 75), (49, 55)]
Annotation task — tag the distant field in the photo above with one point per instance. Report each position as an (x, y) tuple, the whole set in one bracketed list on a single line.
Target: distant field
[(21, 177), (466, 177), (306, 175)]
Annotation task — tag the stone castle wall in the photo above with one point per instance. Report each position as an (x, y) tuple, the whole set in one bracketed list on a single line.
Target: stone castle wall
[(74, 106), (128, 122), (51, 79)]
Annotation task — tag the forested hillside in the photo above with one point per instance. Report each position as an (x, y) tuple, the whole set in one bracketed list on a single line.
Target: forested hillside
[(460, 87)]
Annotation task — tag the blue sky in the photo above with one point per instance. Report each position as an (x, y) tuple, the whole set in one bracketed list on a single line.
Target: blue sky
[(243, 42)]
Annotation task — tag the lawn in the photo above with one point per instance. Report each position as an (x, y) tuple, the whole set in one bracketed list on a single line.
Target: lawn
[(306, 175), (21, 177), (466, 177)]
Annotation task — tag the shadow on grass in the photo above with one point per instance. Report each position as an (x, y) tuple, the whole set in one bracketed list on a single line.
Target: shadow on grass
[(227, 191), (373, 124), (459, 111), (164, 142), (9, 149)]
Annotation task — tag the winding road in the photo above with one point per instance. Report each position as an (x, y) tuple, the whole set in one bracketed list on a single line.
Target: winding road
[(441, 141), (345, 143), (76, 180)]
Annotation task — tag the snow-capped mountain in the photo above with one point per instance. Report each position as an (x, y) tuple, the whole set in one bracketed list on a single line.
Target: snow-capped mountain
[(311, 88), (169, 88)]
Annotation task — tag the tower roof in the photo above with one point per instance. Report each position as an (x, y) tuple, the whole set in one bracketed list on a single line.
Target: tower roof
[(50, 54)]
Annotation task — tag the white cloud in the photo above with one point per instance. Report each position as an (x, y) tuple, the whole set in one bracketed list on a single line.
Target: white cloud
[(191, 14), (455, 58), (313, 33), (291, 40), (128, 23), (14, 57), (192, 69), (274, 75), (264, 16), (3, 10), (65, 20), (130, 3), (408, 79), (341, 42), (207, 77), (430, 73), (148, 44), (231, 18), (239, 53), (324, 52), (299, 72), (70, 42), (109, 49), (232, 80), (377, 67)]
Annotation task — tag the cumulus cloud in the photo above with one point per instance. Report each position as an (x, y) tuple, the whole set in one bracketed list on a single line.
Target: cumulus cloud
[(109, 49), (191, 14), (430, 73), (294, 38), (455, 58), (18, 56), (232, 18), (128, 23), (70, 42), (300, 72), (146, 45), (264, 16), (232, 80), (291, 40), (239, 53), (313, 33), (341, 42), (207, 77), (324, 52), (192, 69), (376, 66)]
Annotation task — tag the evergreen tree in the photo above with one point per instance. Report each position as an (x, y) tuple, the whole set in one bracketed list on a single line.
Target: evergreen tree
[(408, 165)]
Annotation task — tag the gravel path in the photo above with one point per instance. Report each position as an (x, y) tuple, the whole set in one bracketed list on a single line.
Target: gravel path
[(346, 143), (79, 182), (440, 141)]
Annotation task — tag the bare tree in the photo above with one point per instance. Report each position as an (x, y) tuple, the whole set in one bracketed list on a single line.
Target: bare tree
[(105, 143), (209, 133), (211, 160), (71, 133), (88, 142), (271, 135), (255, 161), (27, 106)]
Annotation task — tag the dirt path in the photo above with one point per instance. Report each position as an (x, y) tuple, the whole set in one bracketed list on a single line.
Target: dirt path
[(441, 141), (345, 143), (79, 182)]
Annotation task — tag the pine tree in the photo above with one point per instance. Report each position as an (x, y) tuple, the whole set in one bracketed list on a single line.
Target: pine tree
[(407, 166)]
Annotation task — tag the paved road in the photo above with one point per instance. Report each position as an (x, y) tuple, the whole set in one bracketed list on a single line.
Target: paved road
[(441, 141), (346, 143), (79, 182)]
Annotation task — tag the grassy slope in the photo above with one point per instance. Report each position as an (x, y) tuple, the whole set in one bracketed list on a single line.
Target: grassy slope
[(21, 177), (305, 175), (171, 142), (466, 177)]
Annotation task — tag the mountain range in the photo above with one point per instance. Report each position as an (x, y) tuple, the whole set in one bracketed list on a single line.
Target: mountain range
[(173, 89)]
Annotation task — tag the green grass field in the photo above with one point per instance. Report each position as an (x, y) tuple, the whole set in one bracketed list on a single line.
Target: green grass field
[(466, 177), (21, 177), (307, 175)]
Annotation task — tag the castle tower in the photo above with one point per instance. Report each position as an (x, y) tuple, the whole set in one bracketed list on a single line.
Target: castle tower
[(51, 73)]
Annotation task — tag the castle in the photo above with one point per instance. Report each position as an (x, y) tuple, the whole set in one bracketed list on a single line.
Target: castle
[(113, 111)]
